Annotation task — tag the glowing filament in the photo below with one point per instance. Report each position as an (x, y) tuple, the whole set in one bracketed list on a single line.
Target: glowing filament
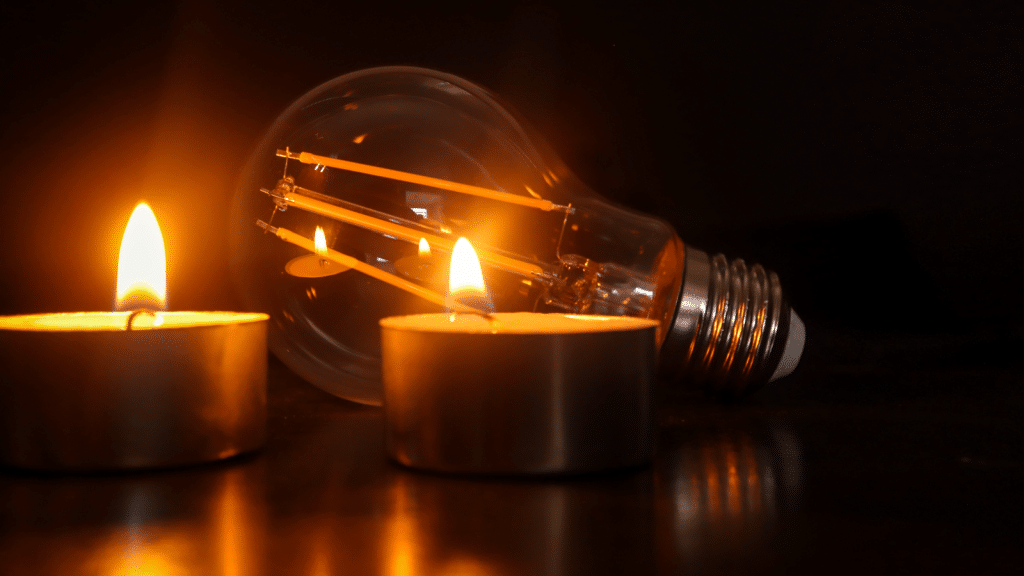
[(142, 263)]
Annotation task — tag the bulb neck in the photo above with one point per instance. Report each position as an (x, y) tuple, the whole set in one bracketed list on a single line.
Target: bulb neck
[(731, 329)]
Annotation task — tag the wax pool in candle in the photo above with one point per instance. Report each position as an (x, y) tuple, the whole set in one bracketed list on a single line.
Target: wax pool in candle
[(516, 323), (118, 321), (134, 388)]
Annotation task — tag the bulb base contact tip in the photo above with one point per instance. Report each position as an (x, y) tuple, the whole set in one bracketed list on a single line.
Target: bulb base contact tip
[(733, 330), (793, 349)]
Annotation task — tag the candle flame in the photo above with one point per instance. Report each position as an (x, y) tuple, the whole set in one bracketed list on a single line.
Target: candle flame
[(424, 247), (465, 275), (320, 242), (142, 263)]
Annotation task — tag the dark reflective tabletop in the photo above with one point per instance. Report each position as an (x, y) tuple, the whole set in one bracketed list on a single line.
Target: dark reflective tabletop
[(890, 469)]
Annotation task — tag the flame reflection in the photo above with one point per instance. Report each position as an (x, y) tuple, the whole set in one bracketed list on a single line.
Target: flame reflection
[(220, 540), (403, 544), (720, 491), (162, 524), (448, 525)]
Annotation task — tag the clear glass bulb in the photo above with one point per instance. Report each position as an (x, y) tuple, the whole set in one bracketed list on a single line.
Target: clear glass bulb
[(394, 164)]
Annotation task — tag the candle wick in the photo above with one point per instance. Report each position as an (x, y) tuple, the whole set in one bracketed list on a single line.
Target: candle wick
[(466, 310), (136, 313), (469, 302)]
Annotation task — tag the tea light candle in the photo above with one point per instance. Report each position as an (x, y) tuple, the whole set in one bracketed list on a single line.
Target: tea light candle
[(421, 268), (517, 393), (315, 265), (131, 389)]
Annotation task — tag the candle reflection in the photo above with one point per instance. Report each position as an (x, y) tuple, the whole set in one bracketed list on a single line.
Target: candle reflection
[(446, 526), (160, 524), (327, 501), (402, 538), (140, 549), (493, 526), (235, 526), (221, 540), (720, 491)]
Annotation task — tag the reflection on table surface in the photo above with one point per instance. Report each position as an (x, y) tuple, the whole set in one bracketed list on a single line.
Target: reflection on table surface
[(321, 499), (731, 490), (722, 488)]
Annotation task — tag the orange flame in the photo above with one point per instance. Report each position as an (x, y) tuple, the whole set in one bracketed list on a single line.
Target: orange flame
[(320, 242), (424, 247), (142, 263), (465, 275)]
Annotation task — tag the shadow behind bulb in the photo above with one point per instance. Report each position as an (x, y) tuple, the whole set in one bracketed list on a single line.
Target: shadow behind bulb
[(548, 243)]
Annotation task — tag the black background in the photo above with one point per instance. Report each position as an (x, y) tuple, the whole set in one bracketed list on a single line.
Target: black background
[(870, 153)]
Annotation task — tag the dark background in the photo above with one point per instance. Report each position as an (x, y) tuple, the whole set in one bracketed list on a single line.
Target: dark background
[(870, 154)]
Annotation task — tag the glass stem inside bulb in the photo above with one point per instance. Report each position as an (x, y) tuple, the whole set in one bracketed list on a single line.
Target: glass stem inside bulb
[(588, 287)]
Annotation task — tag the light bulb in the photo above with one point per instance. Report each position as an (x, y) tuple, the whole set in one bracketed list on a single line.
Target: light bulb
[(388, 159)]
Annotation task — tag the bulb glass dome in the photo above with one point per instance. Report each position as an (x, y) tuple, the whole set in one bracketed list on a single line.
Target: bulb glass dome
[(388, 160)]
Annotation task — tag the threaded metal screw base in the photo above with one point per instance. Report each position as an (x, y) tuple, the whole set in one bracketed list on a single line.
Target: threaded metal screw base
[(730, 328)]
